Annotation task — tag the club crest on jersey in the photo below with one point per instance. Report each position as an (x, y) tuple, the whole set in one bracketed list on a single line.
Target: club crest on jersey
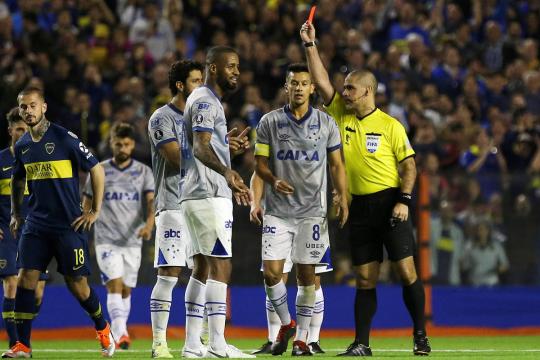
[(49, 148), (372, 142), (3, 263)]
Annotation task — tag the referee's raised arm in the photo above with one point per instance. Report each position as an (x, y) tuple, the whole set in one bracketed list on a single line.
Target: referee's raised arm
[(316, 68)]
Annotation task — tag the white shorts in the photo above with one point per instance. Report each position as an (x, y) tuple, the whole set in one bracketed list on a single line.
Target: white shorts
[(287, 267), (305, 240), (116, 262), (172, 247), (210, 225)]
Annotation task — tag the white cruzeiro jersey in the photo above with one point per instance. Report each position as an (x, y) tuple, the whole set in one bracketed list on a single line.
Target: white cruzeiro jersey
[(297, 153), (204, 113), (122, 212), (165, 125)]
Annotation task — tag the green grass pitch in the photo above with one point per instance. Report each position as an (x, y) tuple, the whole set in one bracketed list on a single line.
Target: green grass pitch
[(512, 347)]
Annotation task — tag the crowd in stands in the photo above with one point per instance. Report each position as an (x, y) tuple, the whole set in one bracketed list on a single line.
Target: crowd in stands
[(462, 76)]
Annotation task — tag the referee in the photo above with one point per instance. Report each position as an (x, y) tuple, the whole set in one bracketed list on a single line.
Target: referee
[(377, 151)]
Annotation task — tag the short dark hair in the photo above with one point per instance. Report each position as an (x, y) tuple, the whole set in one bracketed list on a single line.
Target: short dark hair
[(216, 51), (123, 130), (32, 90), (297, 67), (180, 70), (13, 116)]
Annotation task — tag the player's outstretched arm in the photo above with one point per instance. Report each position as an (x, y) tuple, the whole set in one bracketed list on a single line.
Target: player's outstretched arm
[(339, 180), (256, 186), (316, 67), (85, 221), (263, 170), (203, 151)]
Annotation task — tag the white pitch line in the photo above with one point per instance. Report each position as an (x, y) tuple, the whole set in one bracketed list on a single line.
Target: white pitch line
[(249, 350)]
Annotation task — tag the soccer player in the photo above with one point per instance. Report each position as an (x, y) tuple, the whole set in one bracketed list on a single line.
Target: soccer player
[(48, 158), (118, 233), (294, 144), (377, 151), (8, 243), (169, 148), (206, 199)]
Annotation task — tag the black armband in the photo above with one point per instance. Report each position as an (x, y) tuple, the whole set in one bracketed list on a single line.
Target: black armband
[(405, 199), (309, 44)]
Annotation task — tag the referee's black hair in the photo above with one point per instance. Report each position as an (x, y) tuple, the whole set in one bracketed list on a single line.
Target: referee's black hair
[(215, 52), (13, 116), (180, 70), (123, 130)]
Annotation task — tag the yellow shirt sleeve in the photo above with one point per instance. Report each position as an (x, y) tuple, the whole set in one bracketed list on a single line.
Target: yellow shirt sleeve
[(400, 142), (336, 108)]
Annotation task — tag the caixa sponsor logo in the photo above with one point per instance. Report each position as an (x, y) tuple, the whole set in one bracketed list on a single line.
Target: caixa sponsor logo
[(228, 224), (171, 233), (268, 229), (297, 155)]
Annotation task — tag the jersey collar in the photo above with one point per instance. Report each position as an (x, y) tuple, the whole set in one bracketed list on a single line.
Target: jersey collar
[(289, 114), (175, 109), (365, 116), (117, 168), (212, 90)]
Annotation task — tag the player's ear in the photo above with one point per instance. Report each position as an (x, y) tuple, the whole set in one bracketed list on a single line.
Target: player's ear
[(44, 107), (311, 88), (180, 86), (213, 68), (286, 86)]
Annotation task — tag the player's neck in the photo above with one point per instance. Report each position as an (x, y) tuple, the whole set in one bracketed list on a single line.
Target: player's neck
[(179, 101), (12, 149), (298, 111), (37, 131), (212, 84), (122, 165)]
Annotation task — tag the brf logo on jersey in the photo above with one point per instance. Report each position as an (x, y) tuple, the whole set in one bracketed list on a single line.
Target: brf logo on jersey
[(171, 233)]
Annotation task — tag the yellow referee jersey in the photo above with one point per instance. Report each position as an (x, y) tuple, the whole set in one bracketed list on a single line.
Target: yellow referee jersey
[(373, 147)]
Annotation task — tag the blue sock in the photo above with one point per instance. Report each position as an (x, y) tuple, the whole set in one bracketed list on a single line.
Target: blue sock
[(25, 305), (93, 308), (8, 314)]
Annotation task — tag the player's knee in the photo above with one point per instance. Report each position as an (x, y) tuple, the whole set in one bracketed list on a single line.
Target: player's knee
[(173, 271), (365, 282), (28, 279), (78, 286), (271, 278)]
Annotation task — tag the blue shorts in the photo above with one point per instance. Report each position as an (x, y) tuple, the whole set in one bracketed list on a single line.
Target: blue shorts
[(38, 246), (8, 253)]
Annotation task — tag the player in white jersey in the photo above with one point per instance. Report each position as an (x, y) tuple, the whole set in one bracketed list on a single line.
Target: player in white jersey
[(273, 322), (206, 198), (123, 225), (170, 153), (293, 146)]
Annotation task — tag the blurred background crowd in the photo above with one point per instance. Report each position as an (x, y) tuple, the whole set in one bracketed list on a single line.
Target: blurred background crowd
[(463, 77)]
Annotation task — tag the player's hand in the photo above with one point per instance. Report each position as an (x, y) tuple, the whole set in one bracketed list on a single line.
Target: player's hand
[(242, 198), (235, 181), (238, 144), (145, 233), (307, 32), (15, 224), (85, 221), (400, 212), (256, 214), (283, 187), (342, 208)]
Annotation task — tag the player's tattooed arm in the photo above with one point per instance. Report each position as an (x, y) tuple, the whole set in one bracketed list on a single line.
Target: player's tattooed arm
[(88, 217), (263, 170), (203, 151), (17, 197)]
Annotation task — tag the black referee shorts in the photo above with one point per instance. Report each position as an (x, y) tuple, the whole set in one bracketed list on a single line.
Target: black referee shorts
[(370, 229)]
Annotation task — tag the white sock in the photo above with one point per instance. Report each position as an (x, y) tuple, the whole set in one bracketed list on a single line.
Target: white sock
[(125, 315), (278, 296), (305, 299), (317, 318), (194, 301), (273, 321), (216, 306), (160, 306), (115, 306)]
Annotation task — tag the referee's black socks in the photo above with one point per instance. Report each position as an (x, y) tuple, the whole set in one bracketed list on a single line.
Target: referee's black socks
[(415, 300), (365, 305)]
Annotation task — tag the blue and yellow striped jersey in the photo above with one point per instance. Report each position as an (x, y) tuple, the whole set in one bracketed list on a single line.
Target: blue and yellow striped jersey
[(51, 167), (6, 168)]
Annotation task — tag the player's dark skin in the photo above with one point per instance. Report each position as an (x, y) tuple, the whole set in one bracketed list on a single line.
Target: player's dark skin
[(32, 109)]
